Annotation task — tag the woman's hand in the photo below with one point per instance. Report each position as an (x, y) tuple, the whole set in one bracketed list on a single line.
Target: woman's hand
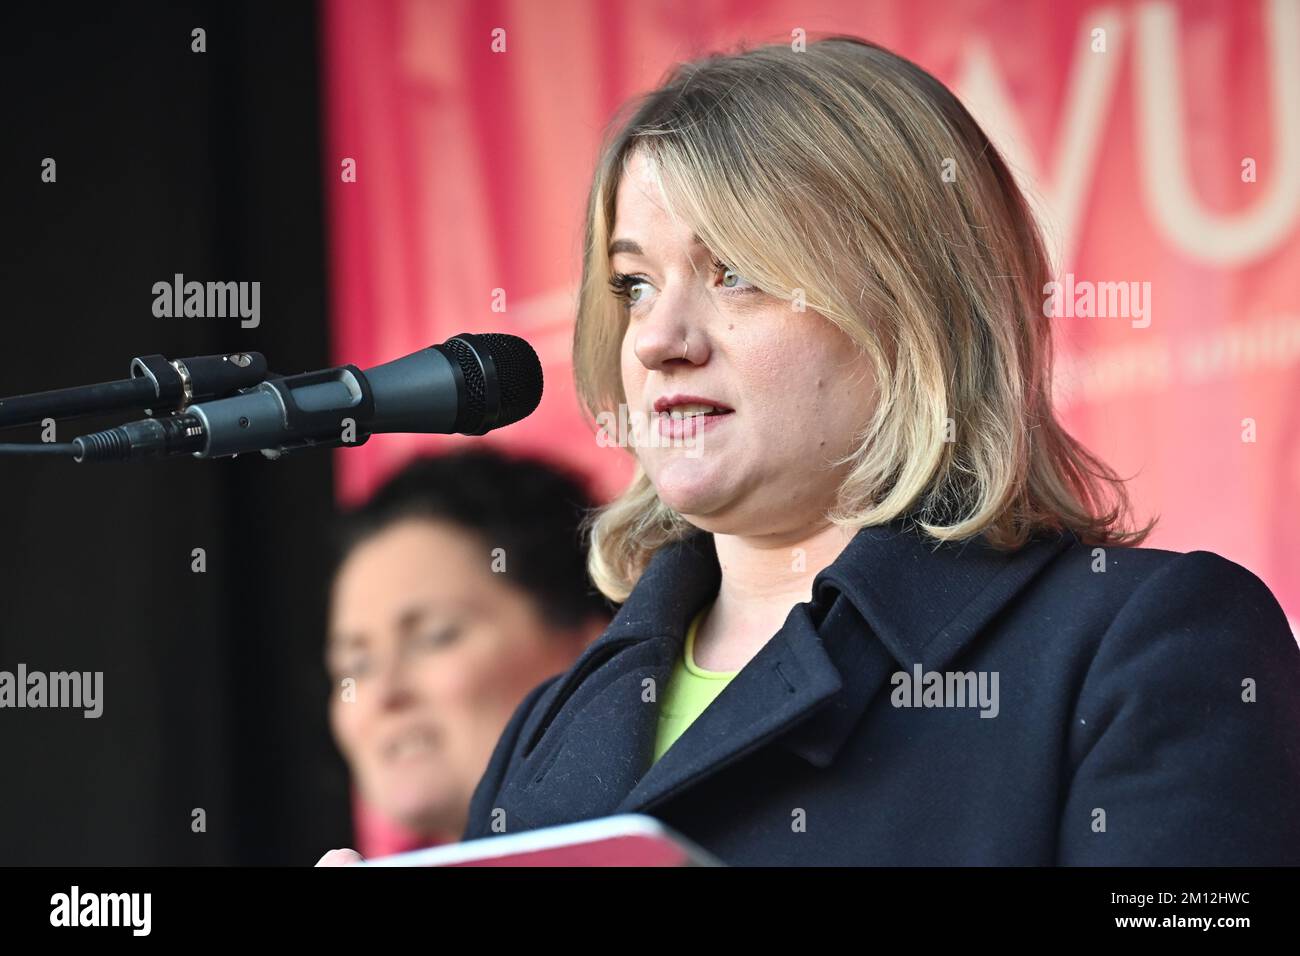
[(340, 858)]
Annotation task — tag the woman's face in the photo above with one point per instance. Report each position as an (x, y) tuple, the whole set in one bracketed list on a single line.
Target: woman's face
[(791, 387), (442, 650)]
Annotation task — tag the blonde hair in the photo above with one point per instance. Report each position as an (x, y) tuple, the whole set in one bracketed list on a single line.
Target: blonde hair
[(849, 178)]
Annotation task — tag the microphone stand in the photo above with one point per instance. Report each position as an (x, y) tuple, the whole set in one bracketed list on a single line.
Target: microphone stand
[(156, 385)]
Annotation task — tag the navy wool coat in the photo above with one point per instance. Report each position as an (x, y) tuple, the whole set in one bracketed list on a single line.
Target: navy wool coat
[(1147, 712)]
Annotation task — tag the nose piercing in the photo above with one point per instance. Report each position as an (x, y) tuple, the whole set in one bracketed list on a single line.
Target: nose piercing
[(686, 347)]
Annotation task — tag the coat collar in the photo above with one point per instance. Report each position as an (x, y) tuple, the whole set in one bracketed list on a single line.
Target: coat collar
[(890, 601), (925, 601)]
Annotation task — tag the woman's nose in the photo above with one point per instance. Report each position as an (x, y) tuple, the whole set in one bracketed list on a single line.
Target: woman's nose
[(393, 683), (669, 336)]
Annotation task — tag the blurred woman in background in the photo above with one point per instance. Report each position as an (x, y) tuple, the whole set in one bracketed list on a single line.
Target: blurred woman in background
[(461, 586)]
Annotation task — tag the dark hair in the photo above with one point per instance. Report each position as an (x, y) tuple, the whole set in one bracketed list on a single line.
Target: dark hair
[(532, 509)]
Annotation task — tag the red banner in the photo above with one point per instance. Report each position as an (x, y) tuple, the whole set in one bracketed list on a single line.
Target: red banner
[(1160, 141)]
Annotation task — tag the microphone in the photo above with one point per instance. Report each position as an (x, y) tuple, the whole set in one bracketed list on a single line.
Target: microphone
[(468, 385)]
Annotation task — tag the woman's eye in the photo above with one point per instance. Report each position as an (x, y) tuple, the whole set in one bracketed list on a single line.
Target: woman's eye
[(440, 638), (357, 666), (731, 279), (632, 290)]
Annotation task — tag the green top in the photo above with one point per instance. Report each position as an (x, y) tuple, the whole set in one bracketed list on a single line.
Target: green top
[(690, 689)]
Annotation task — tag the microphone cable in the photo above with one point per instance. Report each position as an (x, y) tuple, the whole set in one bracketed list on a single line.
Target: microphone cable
[(38, 448)]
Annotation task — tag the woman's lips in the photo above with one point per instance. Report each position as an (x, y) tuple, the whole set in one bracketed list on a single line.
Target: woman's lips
[(666, 403), (690, 426), (413, 744)]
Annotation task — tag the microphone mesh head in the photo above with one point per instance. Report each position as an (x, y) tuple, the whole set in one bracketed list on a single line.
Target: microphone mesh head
[(518, 378), (519, 375)]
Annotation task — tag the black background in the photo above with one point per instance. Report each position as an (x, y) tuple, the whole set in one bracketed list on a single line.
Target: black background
[(206, 164)]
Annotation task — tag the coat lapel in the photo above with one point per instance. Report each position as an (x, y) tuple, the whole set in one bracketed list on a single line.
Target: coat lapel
[(891, 600), (594, 739), (787, 680)]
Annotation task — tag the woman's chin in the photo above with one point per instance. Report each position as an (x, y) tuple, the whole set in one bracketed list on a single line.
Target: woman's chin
[(414, 796), (692, 487), (423, 814)]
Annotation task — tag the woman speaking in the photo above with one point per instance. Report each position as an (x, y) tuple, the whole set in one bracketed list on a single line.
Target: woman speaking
[(877, 606)]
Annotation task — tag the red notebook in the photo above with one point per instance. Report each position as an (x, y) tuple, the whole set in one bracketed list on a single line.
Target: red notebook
[(626, 840)]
